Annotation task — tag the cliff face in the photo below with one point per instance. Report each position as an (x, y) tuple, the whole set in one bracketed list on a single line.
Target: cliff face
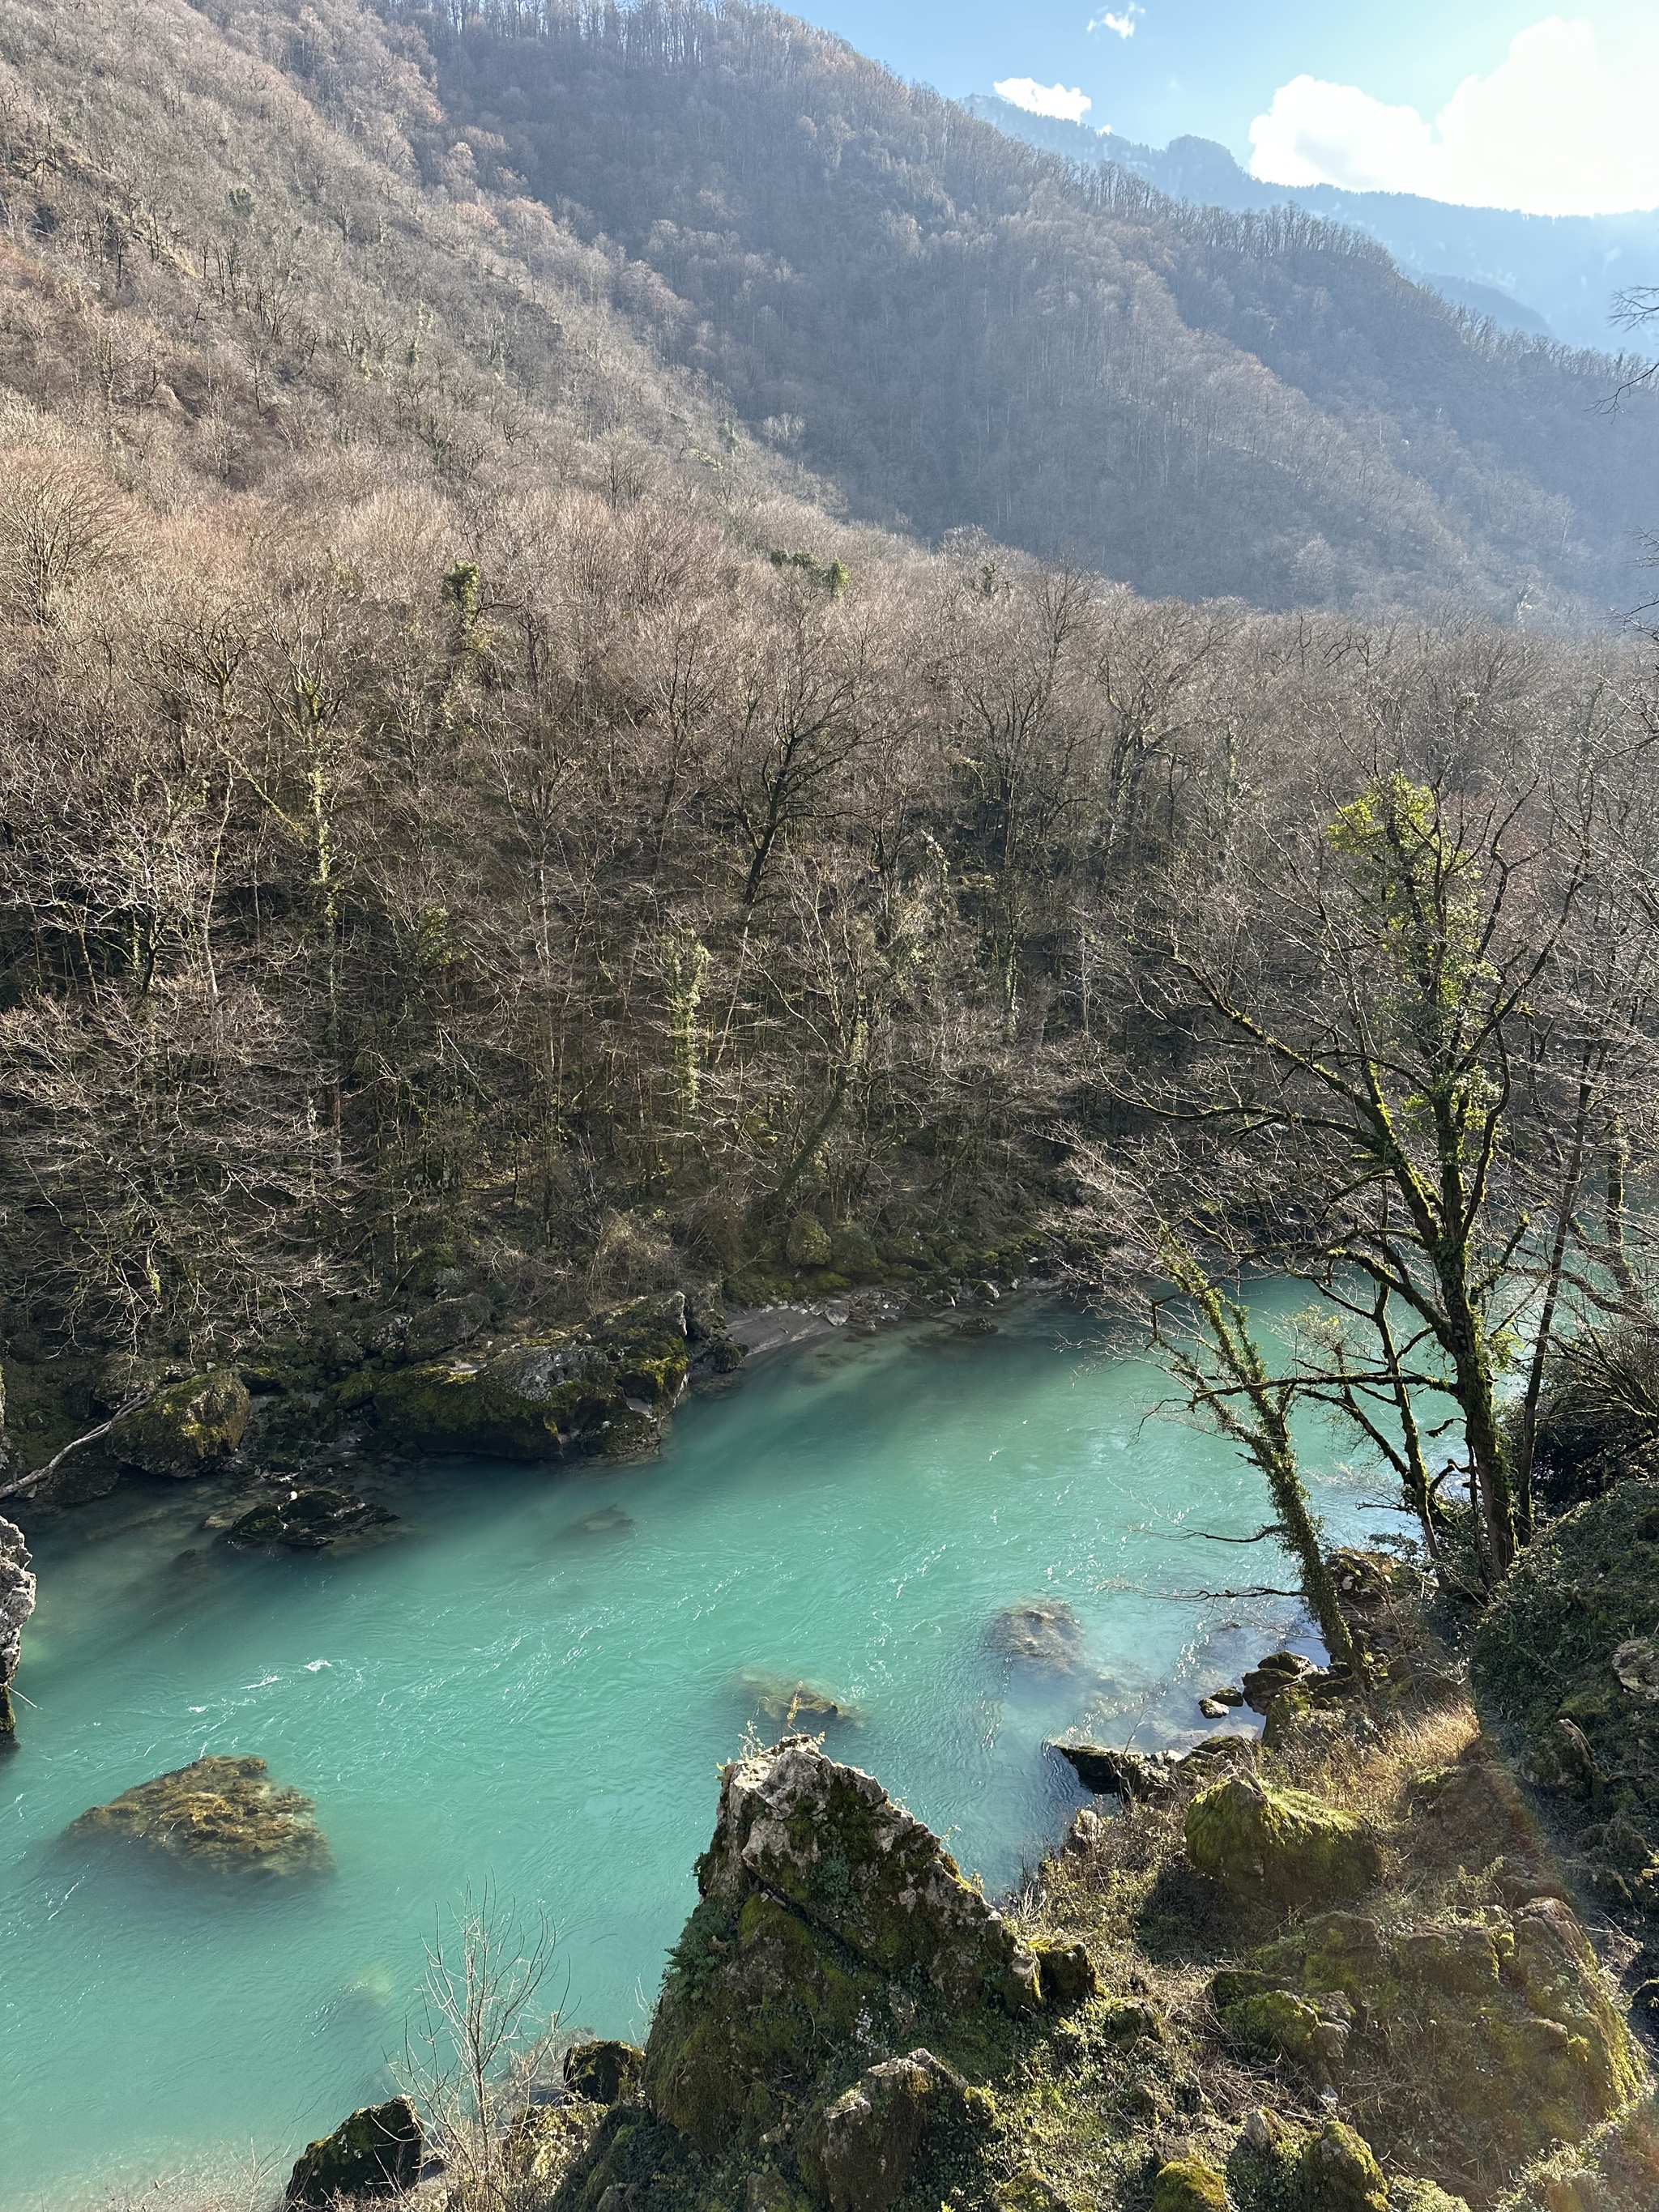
[(16, 1604)]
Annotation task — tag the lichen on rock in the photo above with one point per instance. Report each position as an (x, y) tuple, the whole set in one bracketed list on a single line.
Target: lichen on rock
[(223, 1814), (17, 1593), (858, 2152), (1282, 1844), (186, 1428)]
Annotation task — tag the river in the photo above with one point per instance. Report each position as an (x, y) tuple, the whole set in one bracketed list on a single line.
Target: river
[(531, 1685)]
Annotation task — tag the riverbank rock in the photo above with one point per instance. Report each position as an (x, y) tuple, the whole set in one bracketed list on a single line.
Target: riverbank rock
[(1042, 1632), (858, 2154), (17, 1593), (1488, 2037), (601, 1388), (605, 2073), (187, 1427), (1272, 1676), (224, 1815), (1282, 1844), (1148, 1776), (828, 1919), (307, 1520), (375, 2152)]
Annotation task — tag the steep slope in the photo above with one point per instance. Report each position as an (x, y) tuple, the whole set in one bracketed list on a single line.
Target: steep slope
[(962, 330)]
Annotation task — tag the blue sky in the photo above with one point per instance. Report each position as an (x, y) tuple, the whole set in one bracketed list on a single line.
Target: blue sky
[(1477, 100)]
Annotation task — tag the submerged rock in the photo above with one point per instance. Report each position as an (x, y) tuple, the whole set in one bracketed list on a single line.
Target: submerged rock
[(375, 2152), (17, 1591), (186, 1428), (1283, 1845), (307, 1520), (792, 1702), (1042, 1632), (606, 1521), (224, 1814), (858, 2153), (601, 1388)]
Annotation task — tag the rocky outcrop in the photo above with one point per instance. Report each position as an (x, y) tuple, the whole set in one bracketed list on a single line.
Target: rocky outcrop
[(1285, 1846), (375, 2152), (829, 1919), (222, 1815), (16, 1604), (186, 1429), (1541, 2051), (602, 1388)]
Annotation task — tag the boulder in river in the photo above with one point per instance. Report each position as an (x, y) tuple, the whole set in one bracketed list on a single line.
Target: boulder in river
[(223, 1815), (375, 2152), (1272, 1676), (1042, 1632), (308, 1519), (17, 1590), (186, 1428), (1143, 1777), (604, 1520)]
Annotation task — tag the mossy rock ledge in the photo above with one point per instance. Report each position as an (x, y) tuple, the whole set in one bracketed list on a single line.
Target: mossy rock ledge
[(601, 1388), (16, 1604), (224, 1816), (1492, 2037), (834, 1947)]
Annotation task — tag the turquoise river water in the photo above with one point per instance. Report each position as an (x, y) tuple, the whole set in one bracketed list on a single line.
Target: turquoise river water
[(499, 1694)]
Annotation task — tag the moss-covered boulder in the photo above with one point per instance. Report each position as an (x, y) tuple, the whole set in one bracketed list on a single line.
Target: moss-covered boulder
[(1613, 2169), (1541, 2051), (1340, 2173), (599, 1389), (16, 1604), (307, 1520), (1190, 2185), (375, 2152), (857, 2154), (829, 1920), (186, 1428), (606, 2073), (224, 1816), (808, 1242), (1282, 1844), (1559, 1652)]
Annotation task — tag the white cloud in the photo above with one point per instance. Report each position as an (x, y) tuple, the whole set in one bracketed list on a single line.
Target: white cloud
[(1045, 98), (1552, 130), (1124, 25)]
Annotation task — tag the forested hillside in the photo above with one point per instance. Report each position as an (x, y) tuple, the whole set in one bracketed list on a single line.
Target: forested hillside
[(464, 804), (957, 329)]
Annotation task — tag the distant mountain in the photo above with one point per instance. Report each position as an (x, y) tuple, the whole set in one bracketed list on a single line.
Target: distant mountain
[(957, 330), (1553, 275)]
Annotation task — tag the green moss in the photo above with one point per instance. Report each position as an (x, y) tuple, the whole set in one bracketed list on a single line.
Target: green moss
[(1189, 2184), (185, 1428), (1283, 1845), (375, 2152), (1340, 2173)]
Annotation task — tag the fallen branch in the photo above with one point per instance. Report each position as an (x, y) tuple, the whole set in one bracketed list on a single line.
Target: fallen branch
[(25, 1483)]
